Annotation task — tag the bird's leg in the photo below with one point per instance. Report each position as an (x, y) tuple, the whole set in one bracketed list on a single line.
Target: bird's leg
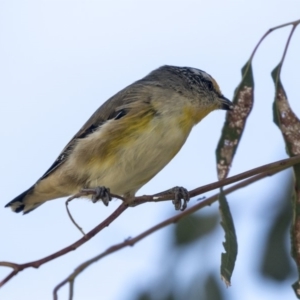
[(181, 197), (101, 193)]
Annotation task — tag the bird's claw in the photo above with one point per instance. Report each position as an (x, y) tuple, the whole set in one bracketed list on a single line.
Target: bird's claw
[(102, 193), (181, 197)]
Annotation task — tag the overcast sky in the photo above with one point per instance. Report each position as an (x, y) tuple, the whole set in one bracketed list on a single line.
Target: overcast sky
[(60, 60)]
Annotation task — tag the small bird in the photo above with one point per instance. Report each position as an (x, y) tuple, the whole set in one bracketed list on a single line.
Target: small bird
[(130, 138)]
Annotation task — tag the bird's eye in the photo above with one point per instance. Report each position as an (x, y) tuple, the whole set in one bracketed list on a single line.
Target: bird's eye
[(210, 86)]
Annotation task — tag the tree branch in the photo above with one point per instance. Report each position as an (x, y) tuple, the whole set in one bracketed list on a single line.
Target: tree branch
[(275, 166), (268, 169), (37, 263), (132, 241)]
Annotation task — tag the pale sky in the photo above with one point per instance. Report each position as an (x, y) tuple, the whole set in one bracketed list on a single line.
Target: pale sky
[(60, 60)]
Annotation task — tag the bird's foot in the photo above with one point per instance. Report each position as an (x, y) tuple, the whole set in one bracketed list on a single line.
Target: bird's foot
[(102, 193), (181, 197)]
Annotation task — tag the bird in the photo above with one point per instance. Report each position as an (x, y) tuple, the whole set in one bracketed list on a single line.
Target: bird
[(129, 138)]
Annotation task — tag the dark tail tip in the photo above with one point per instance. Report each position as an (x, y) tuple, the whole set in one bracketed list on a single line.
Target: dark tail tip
[(17, 204)]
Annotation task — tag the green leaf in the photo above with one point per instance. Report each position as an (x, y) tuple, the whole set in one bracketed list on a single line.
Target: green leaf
[(230, 245), (212, 288), (289, 125), (235, 122), (276, 261), (144, 296), (232, 131), (193, 227)]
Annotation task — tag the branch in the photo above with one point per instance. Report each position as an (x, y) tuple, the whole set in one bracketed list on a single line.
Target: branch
[(82, 193), (132, 241), (37, 263), (294, 24), (268, 169), (273, 167)]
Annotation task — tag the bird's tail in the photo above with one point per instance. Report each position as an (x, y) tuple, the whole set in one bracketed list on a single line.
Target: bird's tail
[(19, 204)]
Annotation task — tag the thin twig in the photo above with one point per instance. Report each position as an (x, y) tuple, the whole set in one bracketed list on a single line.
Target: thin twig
[(82, 193), (37, 263), (294, 23), (269, 168), (278, 165), (71, 217), (285, 50), (132, 241)]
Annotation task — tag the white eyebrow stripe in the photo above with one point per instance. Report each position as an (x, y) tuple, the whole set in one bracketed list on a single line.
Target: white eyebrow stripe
[(200, 72)]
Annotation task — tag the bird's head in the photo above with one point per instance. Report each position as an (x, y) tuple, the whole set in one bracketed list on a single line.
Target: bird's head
[(190, 90), (200, 86)]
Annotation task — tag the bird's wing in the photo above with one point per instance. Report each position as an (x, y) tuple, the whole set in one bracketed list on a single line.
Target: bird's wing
[(111, 109)]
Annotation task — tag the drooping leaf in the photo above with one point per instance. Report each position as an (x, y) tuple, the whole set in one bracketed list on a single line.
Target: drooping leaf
[(230, 138), (144, 296), (148, 296), (193, 227), (276, 263), (212, 289), (289, 125), (235, 122), (230, 245)]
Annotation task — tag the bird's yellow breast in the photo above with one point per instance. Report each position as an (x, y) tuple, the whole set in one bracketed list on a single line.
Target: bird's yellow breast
[(192, 116), (124, 154)]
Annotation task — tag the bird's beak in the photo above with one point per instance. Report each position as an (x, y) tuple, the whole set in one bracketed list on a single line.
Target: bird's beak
[(225, 103)]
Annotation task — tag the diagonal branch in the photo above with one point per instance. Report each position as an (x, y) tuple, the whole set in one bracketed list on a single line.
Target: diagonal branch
[(267, 169), (37, 263), (276, 166), (131, 242), (294, 24)]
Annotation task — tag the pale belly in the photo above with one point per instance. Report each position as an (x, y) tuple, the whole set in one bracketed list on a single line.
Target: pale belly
[(141, 159)]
